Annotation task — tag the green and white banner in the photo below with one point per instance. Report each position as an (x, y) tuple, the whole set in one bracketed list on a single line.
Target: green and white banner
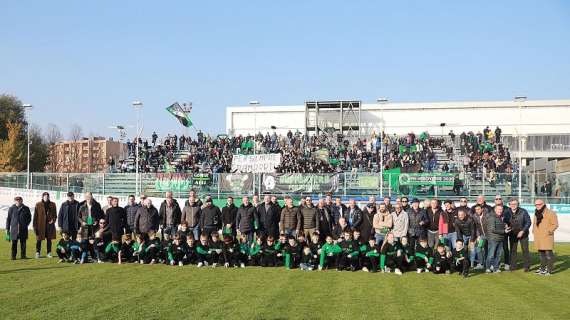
[(426, 179), (183, 116)]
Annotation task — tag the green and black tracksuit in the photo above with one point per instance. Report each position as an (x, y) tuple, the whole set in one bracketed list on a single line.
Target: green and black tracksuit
[(292, 256), (191, 256), (407, 255), (389, 256), (269, 255), (315, 247), (308, 261), (139, 251), (423, 256), (67, 249), (164, 246), (280, 247), (127, 251), (203, 253), (329, 255), (231, 253), (176, 252), (349, 256), (216, 251), (255, 254), (461, 261), (441, 263), (112, 251), (372, 256), (153, 250)]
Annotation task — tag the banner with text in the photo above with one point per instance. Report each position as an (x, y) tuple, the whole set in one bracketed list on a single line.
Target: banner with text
[(256, 163), (426, 179), (296, 182), (180, 182)]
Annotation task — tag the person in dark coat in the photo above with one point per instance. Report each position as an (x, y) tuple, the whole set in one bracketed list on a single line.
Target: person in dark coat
[(210, 218), (131, 211), (338, 210), (45, 216), (324, 220), (90, 213), (68, 216), (146, 219), (368, 213), (17, 222), (117, 219), (170, 215), (229, 215), (418, 222), (269, 214), (353, 215), (246, 219)]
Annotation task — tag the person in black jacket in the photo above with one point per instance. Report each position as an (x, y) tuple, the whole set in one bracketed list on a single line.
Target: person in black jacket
[(169, 214), (269, 214), (496, 229), (442, 260), (460, 261), (117, 219), (324, 220), (433, 212), (67, 218), (229, 216), (210, 218), (353, 215), (520, 224), (246, 219), (338, 210), (17, 222), (418, 222), (131, 211)]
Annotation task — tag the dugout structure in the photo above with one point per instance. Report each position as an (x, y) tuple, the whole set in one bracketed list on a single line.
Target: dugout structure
[(340, 118)]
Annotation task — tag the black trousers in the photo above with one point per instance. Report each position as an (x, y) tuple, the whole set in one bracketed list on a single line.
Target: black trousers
[(331, 262), (371, 263), (345, 262), (22, 248), (514, 242), (269, 260), (462, 266), (506, 250), (443, 267), (39, 246), (546, 260)]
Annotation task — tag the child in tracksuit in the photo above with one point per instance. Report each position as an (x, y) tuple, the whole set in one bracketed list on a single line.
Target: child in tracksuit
[(442, 260), (126, 252), (423, 257), (330, 252), (215, 249), (255, 252), (315, 246), (280, 247), (164, 247), (269, 253), (230, 252), (407, 254), (139, 248), (307, 262), (112, 250), (293, 254), (176, 251), (191, 256), (84, 248), (67, 250), (349, 256), (391, 255), (153, 250), (461, 258), (203, 251), (371, 256)]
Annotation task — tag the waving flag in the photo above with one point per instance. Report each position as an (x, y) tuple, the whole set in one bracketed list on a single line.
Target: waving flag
[(184, 117)]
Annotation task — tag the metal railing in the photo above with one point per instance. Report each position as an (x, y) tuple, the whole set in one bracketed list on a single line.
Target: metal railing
[(359, 185)]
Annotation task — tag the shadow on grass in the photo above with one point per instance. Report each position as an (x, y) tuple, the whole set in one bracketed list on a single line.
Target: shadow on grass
[(38, 268)]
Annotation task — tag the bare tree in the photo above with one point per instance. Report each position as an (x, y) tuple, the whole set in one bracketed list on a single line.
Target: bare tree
[(53, 134), (75, 133)]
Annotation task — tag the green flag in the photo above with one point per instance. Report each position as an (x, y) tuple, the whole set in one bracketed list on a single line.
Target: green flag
[(183, 116)]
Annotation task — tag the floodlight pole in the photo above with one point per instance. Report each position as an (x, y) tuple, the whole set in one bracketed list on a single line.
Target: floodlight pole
[(381, 102), (137, 105), (28, 119), (520, 100)]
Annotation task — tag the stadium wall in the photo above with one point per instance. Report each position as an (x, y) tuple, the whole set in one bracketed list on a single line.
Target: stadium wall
[(32, 196), (536, 117)]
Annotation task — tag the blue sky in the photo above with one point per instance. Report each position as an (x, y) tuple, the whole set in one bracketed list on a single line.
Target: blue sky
[(85, 61)]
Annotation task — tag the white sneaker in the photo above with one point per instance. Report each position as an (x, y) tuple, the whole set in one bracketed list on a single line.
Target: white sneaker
[(99, 261), (49, 255), (60, 261), (364, 269), (227, 265), (37, 255), (200, 264), (507, 267), (419, 270), (141, 262), (172, 262), (180, 264), (214, 265), (242, 265), (479, 267), (152, 261), (447, 272), (488, 271), (398, 272), (497, 271), (387, 270), (206, 263)]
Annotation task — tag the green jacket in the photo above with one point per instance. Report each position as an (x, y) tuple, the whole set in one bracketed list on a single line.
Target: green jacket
[(328, 250)]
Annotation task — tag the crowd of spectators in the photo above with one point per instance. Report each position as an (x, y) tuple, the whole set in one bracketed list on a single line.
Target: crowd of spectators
[(484, 156), (323, 153)]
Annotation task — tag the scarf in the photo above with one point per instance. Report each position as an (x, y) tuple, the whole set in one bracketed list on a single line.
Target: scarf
[(539, 214)]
